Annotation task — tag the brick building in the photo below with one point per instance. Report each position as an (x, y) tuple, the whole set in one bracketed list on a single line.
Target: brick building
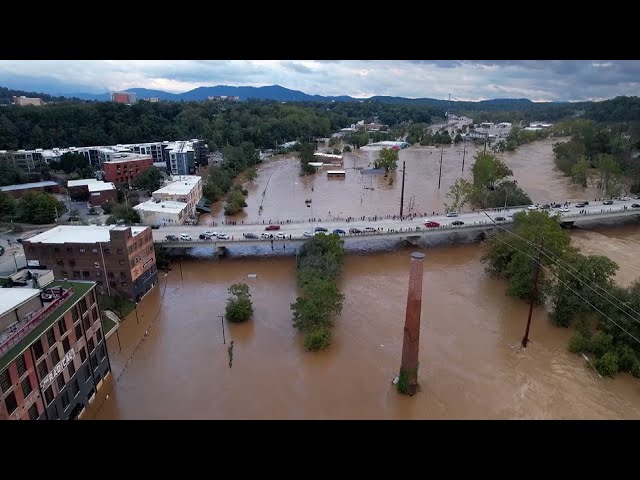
[(16, 191), (126, 169), (123, 97), (120, 259), (94, 191), (53, 353)]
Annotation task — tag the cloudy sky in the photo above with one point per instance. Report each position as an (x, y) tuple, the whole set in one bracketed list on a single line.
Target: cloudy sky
[(538, 80)]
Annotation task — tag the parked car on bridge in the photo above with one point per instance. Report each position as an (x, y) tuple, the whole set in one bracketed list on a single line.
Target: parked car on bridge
[(223, 236), (431, 224), (307, 234), (210, 233), (457, 223), (500, 219), (185, 236), (249, 235), (202, 236), (355, 231), (452, 214), (266, 235), (171, 238), (369, 230), (272, 227), (280, 236), (339, 231), (608, 202), (320, 229)]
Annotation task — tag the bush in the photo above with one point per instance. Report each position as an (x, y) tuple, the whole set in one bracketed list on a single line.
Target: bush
[(317, 338), (627, 359), (601, 344), (607, 365), (239, 306), (579, 343), (346, 149)]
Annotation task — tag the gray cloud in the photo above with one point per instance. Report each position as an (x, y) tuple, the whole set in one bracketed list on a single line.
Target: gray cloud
[(541, 80)]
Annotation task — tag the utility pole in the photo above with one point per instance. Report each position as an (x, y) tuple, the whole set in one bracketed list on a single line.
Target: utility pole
[(440, 174), (534, 290), (402, 191), (464, 152), (224, 340)]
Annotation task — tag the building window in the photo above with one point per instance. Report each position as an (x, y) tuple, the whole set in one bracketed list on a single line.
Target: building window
[(55, 356), (65, 400), (51, 338), (94, 250), (59, 261), (98, 274), (48, 395), (75, 388), (65, 345), (91, 345), (107, 251), (82, 250), (94, 362), (22, 367), (99, 335), (74, 314), (98, 378), (5, 380), (83, 354), (72, 369), (61, 326), (37, 349), (64, 273), (85, 274), (87, 373), (33, 412), (11, 403), (102, 352), (76, 274), (119, 251), (56, 249), (85, 322), (26, 386), (112, 284), (69, 249), (78, 331), (42, 369), (60, 381), (123, 275)]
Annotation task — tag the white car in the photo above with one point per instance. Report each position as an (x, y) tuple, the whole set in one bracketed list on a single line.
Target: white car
[(532, 207), (307, 234), (223, 236), (564, 210), (452, 214), (210, 233), (280, 236), (185, 237), (264, 235)]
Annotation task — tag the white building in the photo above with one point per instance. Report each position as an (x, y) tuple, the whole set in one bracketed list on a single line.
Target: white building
[(156, 212), (185, 189)]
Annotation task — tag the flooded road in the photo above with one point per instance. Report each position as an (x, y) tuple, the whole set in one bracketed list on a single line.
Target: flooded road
[(471, 363)]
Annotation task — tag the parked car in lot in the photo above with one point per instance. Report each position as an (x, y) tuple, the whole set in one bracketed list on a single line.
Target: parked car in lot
[(532, 207), (320, 229), (369, 230), (452, 214), (272, 227), (608, 202), (500, 219), (155, 227), (250, 235), (556, 205), (172, 238), (185, 236), (223, 236), (564, 210), (546, 206), (457, 223), (355, 230), (339, 231), (307, 234), (431, 224), (580, 205)]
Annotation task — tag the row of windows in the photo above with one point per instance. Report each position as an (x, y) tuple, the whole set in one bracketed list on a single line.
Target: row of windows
[(96, 250)]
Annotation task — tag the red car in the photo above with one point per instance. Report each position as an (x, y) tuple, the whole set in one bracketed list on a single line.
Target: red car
[(431, 224), (273, 227)]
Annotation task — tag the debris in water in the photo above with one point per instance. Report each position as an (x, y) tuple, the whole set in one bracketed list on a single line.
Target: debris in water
[(252, 275), (395, 380)]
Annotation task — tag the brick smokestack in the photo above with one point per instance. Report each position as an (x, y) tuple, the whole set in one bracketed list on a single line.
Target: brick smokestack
[(408, 381)]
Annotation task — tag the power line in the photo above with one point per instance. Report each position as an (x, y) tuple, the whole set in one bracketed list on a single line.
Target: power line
[(576, 293), (557, 259)]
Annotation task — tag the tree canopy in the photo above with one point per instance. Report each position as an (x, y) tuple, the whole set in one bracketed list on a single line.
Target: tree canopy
[(151, 179), (387, 159)]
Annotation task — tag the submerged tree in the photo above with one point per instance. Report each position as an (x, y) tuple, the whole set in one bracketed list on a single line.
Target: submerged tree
[(239, 306)]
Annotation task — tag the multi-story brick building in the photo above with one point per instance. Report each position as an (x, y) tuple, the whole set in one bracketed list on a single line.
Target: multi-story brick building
[(53, 353), (123, 97), (120, 259), (126, 168)]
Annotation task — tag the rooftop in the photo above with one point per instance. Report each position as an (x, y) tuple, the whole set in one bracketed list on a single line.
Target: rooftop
[(130, 157), (82, 182), (168, 206), (25, 186), (80, 288), (101, 186), (182, 186), (12, 298), (79, 234)]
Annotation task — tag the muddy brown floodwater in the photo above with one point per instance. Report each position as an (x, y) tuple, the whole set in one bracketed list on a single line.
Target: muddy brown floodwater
[(471, 363)]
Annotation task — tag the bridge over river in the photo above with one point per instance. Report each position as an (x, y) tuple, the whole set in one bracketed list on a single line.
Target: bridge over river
[(382, 228)]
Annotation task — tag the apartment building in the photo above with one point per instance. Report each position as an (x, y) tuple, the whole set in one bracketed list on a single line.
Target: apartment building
[(124, 169), (123, 97), (120, 259), (53, 352), (185, 189), (23, 101), (29, 161)]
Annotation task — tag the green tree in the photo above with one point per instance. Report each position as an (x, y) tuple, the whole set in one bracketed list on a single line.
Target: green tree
[(124, 214), (460, 193), (7, 206), (151, 179), (39, 208), (239, 306), (580, 172), (387, 159), (10, 174), (488, 171), (235, 202), (252, 174)]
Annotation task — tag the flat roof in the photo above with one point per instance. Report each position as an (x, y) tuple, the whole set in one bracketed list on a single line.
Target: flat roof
[(79, 234), (336, 172), (11, 298), (182, 186), (331, 155), (26, 186), (80, 288), (134, 157), (82, 182), (168, 206), (101, 186)]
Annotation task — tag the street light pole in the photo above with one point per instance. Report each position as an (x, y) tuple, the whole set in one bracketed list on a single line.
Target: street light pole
[(224, 340)]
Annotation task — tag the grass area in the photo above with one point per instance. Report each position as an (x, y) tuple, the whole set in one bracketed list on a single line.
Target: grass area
[(80, 288), (118, 305), (108, 325)]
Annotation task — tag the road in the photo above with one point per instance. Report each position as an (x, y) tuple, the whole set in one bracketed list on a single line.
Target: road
[(595, 210)]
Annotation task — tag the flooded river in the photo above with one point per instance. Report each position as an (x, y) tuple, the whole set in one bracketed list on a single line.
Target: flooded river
[(471, 363)]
